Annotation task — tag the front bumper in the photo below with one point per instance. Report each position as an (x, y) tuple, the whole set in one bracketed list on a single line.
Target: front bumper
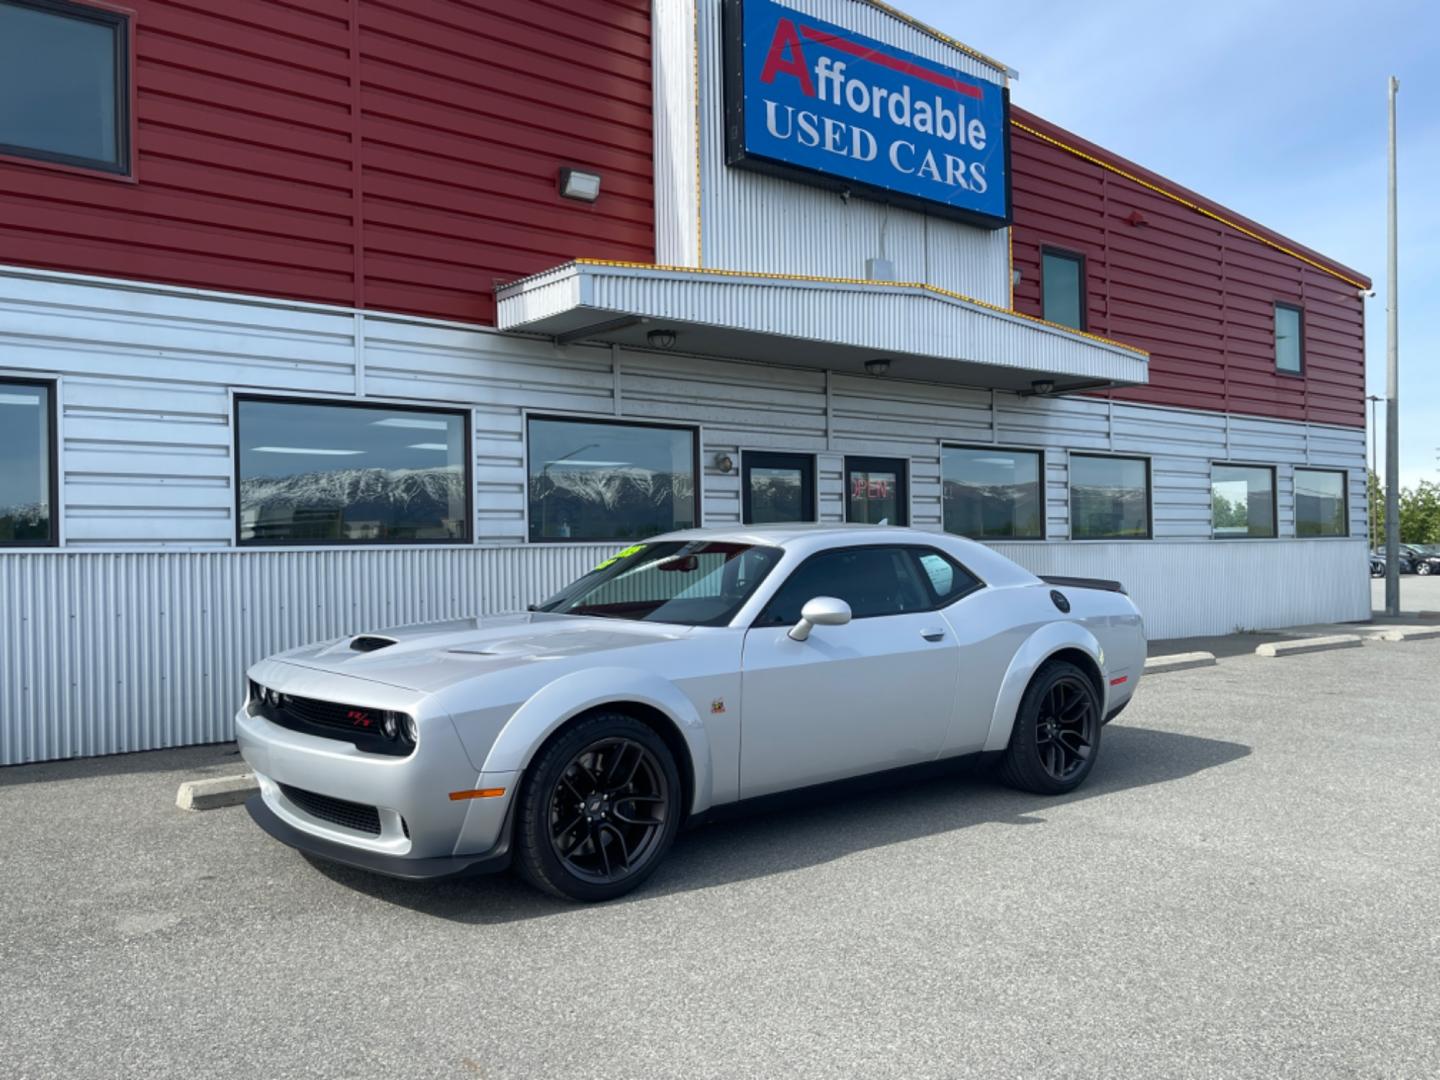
[(401, 819), (398, 866)]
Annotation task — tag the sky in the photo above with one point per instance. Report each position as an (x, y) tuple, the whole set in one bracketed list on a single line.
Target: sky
[(1274, 108)]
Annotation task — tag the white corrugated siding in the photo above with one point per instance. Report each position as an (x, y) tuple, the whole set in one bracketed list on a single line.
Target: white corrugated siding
[(134, 635)]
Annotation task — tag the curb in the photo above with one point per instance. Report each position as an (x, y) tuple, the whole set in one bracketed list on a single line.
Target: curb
[(1406, 633), (1158, 665), (216, 792), (1309, 645)]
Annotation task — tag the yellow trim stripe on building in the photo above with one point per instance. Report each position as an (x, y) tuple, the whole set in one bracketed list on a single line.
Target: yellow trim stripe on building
[(1186, 203)]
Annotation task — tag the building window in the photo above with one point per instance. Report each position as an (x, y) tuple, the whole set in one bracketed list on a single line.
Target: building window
[(1321, 508), (1289, 339), (992, 494), (1062, 288), (777, 487), (599, 480), (876, 491), (1109, 498), (312, 473), (27, 464), (1242, 501), (65, 84)]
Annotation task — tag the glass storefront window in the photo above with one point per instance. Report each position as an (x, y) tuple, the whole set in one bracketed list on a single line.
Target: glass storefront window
[(600, 480), (1320, 504), (26, 452), (1242, 501), (876, 491), (992, 493), (312, 473), (1109, 498)]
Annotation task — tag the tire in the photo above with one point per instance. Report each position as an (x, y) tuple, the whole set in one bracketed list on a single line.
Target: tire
[(599, 808), (1040, 738), (1423, 569)]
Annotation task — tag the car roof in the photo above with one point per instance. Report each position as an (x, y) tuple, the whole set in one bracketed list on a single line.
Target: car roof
[(780, 535)]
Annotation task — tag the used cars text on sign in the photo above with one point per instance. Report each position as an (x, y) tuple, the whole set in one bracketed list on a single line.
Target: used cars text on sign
[(821, 104)]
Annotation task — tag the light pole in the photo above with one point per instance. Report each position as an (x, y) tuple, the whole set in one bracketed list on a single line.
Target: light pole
[(1392, 392)]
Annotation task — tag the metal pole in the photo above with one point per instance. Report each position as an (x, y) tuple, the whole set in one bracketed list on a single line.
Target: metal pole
[(1392, 395), (1370, 508)]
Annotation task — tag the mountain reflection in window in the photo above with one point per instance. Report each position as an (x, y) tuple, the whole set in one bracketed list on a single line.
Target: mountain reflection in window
[(1109, 498), (316, 474), (991, 493), (590, 480)]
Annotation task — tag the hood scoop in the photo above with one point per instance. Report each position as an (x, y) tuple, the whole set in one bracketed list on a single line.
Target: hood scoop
[(370, 642)]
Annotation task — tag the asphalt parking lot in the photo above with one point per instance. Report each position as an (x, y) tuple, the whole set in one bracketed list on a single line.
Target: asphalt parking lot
[(1247, 887), (1416, 593)]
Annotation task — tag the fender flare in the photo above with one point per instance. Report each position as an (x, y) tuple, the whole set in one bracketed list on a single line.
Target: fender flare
[(1044, 643), (570, 695)]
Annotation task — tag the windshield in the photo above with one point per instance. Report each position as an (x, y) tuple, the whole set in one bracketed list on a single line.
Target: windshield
[(695, 583)]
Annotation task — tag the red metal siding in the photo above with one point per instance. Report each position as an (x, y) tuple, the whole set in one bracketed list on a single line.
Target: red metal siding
[(1197, 293), (382, 153)]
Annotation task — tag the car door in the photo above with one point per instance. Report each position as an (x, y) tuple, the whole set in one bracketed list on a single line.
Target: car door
[(873, 694)]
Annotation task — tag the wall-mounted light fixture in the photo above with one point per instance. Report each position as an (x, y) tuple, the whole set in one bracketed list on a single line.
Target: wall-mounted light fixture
[(879, 366), (661, 339), (579, 185), (1016, 276), (724, 462), (1041, 387)]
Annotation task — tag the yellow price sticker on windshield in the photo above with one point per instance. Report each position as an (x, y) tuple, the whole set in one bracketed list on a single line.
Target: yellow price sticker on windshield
[(625, 554)]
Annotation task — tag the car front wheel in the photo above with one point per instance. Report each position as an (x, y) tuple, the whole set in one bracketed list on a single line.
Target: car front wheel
[(1057, 732), (598, 810), (1423, 569)]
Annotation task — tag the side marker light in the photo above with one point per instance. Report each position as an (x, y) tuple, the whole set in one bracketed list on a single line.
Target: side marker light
[(478, 793)]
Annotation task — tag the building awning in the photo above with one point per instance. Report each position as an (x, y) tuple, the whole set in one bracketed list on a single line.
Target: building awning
[(926, 333)]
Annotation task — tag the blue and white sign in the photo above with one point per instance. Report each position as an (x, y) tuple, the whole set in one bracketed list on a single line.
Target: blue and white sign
[(821, 104)]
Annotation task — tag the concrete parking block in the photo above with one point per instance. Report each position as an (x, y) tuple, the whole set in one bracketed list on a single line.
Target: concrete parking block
[(216, 792), (1406, 633), (1309, 645), (1158, 665)]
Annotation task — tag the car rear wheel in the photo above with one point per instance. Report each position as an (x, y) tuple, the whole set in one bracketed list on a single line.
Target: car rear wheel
[(598, 810), (1057, 732), (1424, 568)]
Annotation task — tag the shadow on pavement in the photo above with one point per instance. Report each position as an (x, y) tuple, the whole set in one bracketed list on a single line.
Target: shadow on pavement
[(812, 832), (209, 759)]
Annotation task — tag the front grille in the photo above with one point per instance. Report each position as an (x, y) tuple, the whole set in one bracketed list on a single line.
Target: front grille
[(358, 724), (348, 815)]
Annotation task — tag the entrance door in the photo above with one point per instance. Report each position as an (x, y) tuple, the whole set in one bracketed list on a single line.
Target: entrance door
[(877, 693)]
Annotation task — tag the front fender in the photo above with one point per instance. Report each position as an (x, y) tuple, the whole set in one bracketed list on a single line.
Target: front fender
[(1044, 643), (570, 695)]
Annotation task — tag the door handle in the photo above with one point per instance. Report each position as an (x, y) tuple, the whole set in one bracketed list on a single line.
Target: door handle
[(932, 635)]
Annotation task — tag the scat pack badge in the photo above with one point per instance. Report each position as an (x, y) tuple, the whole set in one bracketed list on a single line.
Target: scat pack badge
[(717, 706)]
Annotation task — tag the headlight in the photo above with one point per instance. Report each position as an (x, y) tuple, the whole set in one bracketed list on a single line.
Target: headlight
[(390, 725), (411, 730)]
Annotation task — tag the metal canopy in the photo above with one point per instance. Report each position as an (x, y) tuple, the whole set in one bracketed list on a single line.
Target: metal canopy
[(926, 333)]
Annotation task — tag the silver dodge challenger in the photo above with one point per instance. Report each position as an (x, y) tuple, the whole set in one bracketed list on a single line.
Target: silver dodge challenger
[(684, 673)]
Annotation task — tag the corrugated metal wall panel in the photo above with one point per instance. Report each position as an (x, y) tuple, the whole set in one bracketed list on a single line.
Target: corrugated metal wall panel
[(1195, 293), (386, 155)]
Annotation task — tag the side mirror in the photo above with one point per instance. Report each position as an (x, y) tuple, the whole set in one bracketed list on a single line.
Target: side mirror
[(822, 611)]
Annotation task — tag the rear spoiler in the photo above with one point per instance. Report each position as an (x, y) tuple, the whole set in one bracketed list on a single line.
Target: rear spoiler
[(1085, 583)]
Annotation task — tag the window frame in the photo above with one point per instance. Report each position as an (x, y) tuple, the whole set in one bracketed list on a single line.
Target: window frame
[(1274, 499), (911, 549), (902, 497), (466, 415), (1039, 453), (1070, 498), (779, 459), (1299, 310), (1075, 257), (52, 386), (612, 421), (1344, 499), (123, 19)]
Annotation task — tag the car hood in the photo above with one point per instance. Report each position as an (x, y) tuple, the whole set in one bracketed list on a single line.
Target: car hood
[(429, 656)]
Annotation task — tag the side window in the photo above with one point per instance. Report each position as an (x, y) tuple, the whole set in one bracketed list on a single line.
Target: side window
[(872, 580), (948, 579)]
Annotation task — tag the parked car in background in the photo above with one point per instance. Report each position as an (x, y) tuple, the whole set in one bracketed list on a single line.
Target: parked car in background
[(1407, 561), (684, 672), (1377, 565), (1424, 558)]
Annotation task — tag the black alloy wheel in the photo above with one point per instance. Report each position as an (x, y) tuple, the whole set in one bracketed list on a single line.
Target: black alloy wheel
[(1057, 732), (599, 809)]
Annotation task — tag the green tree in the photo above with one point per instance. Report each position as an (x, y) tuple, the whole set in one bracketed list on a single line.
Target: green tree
[(1420, 514)]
